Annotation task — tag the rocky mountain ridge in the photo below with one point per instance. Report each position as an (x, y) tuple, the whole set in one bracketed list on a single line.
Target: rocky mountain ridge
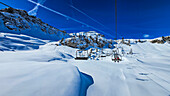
[(161, 40), (85, 40), (18, 21)]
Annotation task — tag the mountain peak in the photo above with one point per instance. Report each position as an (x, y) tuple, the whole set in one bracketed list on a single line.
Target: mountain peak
[(18, 21)]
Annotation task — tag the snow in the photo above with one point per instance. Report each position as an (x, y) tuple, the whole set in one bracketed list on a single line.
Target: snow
[(145, 73), (38, 79), (9, 41), (52, 71), (34, 72)]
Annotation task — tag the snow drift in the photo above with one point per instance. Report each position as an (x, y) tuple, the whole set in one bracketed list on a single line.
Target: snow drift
[(12, 42), (42, 79), (37, 73)]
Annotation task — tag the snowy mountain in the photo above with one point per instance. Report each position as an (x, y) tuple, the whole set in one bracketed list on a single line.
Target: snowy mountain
[(19, 22), (85, 40), (51, 69)]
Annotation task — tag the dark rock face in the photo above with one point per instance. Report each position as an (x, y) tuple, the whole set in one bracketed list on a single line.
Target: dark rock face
[(162, 41), (19, 21), (14, 22), (125, 42), (84, 40)]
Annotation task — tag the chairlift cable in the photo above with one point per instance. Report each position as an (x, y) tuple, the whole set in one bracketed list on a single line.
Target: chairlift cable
[(5, 4), (89, 17), (116, 18), (70, 18)]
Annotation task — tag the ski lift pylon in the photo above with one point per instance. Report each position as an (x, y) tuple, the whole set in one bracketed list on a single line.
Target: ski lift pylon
[(103, 54), (116, 56)]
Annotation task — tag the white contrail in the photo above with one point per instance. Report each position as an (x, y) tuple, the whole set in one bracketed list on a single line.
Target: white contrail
[(35, 9), (70, 18), (41, 1)]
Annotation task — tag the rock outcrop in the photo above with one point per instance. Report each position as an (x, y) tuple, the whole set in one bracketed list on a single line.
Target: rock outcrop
[(85, 40), (18, 21), (161, 40)]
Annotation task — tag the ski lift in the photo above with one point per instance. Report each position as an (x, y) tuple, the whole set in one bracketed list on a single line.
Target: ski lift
[(103, 54), (116, 57), (130, 52), (93, 53), (81, 55)]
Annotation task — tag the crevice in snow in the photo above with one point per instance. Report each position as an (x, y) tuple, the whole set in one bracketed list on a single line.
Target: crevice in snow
[(86, 82)]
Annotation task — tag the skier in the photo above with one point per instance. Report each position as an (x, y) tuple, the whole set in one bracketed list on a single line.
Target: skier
[(131, 52)]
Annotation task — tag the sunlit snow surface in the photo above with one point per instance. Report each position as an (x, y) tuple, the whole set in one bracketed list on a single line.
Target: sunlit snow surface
[(146, 73), (52, 71), (11, 42)]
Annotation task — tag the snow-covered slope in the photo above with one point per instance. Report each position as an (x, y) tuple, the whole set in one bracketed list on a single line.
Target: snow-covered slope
[(52, 70), (42, 72), (12, 42), (18, 21), (145, 73)]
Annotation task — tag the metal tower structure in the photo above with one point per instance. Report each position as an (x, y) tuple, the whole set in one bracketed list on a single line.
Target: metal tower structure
[(116, 18)]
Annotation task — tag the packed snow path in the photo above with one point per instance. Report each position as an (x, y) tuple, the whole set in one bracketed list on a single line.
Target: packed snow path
[(145, 73)]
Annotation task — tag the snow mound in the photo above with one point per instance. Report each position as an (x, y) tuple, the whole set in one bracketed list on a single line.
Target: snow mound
[(41, 79), (13, 42), (46, 53), (42, 72)]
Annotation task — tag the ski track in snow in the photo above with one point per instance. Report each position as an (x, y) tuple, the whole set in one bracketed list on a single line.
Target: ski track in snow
[(151, 78)]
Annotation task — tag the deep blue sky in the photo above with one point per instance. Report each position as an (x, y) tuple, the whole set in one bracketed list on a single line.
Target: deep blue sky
[(136, 18)]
